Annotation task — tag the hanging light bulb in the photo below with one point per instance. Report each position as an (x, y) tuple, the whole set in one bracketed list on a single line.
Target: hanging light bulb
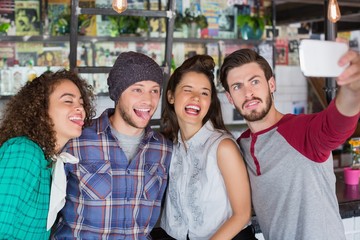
[(119, 5), (333, 11)]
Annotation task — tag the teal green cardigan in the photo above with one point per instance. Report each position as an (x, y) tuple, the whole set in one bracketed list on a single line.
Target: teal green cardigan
[(25, 179)]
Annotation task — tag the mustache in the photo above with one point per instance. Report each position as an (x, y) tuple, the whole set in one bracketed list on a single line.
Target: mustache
[(252, 99)]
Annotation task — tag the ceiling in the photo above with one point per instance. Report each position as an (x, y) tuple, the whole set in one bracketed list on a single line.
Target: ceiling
[(312, 11)]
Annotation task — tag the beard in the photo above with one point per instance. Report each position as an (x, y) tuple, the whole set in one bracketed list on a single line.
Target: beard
[(254, 116), (127, 118)]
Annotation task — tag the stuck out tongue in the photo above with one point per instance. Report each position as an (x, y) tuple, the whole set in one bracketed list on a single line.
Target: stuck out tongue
[(78, 122), (143, 114)]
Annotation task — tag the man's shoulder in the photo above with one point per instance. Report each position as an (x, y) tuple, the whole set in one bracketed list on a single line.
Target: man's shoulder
[(161, 139), (90, 136), (97, 125), (245, 134)]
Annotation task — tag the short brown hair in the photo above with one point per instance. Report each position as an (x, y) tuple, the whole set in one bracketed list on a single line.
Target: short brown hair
[(239, 58)]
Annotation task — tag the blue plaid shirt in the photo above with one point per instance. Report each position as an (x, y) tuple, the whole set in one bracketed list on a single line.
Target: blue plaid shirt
[(109, 197)]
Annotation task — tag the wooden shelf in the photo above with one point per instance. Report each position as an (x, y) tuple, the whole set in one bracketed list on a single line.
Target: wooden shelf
[(128, 12), (95, 39)]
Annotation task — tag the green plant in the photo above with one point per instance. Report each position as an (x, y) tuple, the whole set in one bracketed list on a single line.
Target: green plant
[(251, 27), (121, 24), (254, 22), (191, 17), (179, 20), (62, 25), (4, 27)]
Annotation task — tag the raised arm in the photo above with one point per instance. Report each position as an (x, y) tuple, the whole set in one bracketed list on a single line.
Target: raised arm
[(348, 98)]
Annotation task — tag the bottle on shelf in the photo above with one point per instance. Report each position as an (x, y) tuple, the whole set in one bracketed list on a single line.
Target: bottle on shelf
[(48, 71), (31, 73), (173, 65), (108, 61), (17, 77), (6, 86)]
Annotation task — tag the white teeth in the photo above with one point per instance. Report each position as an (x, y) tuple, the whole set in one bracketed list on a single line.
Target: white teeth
[(193, 107), (253, 103), (75, 118), (142, 110)]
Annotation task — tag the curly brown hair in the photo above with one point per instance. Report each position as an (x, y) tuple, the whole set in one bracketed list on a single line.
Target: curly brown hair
[(26, 113)]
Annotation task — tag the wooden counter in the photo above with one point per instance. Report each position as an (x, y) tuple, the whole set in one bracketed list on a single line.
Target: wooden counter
[(348, 197)]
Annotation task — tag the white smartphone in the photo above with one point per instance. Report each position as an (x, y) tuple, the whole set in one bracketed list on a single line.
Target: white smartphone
[(320, 58)]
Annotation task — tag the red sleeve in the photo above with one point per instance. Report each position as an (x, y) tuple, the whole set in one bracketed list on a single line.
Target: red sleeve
[(316, 135)]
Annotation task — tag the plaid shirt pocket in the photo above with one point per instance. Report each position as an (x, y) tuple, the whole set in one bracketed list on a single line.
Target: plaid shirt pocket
[(155, 177), (95, 180)]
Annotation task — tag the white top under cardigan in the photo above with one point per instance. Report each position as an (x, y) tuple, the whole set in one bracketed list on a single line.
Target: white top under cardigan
[(196, 202)]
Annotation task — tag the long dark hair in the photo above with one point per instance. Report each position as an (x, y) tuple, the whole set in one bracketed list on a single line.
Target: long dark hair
[(201, 64), (26, 113)]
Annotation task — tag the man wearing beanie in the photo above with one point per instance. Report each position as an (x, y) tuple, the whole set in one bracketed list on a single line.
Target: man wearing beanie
[(115, 190)]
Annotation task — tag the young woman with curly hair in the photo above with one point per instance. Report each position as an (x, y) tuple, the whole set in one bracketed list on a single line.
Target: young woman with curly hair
[(36, 124)]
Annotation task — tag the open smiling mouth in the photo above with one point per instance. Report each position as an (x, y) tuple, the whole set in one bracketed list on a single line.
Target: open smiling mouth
[(143, 113), (192, 109), (77, 120)]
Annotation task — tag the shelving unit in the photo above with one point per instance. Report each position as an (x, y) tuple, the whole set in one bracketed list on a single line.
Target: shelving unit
[(95, 39), (169, 14), (74, 39), (44, 39)]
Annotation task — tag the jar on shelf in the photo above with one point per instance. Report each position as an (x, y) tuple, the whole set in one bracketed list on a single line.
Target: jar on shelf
[(355, 151), (31, 73)]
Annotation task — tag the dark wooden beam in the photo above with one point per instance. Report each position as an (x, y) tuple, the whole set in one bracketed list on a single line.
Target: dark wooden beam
[(350, 3), (296, 11)]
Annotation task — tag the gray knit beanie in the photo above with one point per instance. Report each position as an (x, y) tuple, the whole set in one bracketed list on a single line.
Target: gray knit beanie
[(130, 68)]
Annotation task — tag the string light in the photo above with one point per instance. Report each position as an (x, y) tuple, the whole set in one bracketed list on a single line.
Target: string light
[(119, 5), (333, 11)]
